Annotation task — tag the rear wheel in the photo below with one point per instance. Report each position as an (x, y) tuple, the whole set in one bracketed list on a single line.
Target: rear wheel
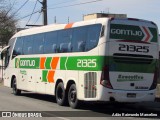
[(60, 94), (72, 97), (14, 88)]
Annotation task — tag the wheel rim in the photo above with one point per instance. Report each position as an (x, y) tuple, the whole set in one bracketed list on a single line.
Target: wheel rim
[(60, 94), (73, 96)]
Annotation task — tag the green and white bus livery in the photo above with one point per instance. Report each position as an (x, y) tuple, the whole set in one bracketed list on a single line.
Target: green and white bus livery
[(104, 59)]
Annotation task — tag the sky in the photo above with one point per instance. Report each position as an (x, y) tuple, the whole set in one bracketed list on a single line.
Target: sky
[(142, 9)]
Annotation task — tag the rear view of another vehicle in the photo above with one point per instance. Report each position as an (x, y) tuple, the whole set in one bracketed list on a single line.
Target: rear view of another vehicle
[(133, 60)]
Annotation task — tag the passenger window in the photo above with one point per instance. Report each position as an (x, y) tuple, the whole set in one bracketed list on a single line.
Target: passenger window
[(93, 36), (50, 42), (79, 39), (38, 43), (18, 47), (64, 41), (27, 45)]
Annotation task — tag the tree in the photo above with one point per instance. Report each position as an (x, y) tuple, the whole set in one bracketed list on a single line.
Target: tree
[(7, 22)]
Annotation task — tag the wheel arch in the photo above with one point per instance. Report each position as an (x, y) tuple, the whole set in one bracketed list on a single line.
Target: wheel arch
[(57, 82), (69, 83)]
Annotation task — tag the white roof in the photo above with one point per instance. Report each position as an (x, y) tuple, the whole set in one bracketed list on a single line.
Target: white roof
[(52, 27)]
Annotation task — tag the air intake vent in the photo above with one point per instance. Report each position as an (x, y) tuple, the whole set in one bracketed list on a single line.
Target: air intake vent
[(90, 83), (132, 59)]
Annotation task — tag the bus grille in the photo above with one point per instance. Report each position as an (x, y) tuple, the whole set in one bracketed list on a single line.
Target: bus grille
[(132, 58), (90, 83)]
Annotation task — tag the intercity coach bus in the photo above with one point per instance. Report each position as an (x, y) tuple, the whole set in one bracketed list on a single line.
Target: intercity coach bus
[(104, 59)]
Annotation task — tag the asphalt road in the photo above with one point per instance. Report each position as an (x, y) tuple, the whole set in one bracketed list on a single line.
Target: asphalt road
[(47, 106)]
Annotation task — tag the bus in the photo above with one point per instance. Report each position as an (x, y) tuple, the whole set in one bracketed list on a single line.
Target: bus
[(104, 59)]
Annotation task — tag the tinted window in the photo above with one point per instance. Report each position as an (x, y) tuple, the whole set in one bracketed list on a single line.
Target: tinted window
[(27, 45), (11, 44), (38, 40), (93, 36), (50, 43), (7, 58), (9, 51), (18, 47), (79, 39), (64, 40)]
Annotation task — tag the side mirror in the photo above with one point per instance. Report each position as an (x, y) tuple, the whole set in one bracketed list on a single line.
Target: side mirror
[(13, 56)]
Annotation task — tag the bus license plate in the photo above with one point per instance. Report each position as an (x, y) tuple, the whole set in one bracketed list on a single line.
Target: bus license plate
[(131, 95)]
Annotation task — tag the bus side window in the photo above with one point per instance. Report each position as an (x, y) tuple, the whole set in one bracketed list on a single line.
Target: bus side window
[(79, 39), (64, 40), (7, 57), (18, 47), (38, 41), (27, 45), (50, 42), (93, 36), (81, 46)]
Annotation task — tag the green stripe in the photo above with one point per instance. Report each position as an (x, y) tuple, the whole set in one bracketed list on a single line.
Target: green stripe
[(48, 63), (85, 63), (155, 34), (141, 68), (130, 32), (62, 63), (89, 63), (71, 64), (44, 75), (116, 34)]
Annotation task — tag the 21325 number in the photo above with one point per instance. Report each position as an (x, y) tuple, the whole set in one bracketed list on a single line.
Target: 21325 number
[(133, 48)]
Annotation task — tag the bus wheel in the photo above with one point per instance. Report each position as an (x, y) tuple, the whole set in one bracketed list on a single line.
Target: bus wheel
[(14, 88), (60, 94), (72, 97)]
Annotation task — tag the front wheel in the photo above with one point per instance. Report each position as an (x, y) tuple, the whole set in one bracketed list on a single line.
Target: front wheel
[(72, 97), (14, 88)]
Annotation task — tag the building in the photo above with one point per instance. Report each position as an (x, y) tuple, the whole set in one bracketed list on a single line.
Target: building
[(101, 15)]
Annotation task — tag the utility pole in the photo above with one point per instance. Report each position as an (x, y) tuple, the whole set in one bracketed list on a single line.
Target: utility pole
[(44, 10), (68, 19), (55, 20)]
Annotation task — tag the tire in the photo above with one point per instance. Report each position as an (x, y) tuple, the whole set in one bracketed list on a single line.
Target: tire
[(72, 97), (60, 94), (14, 88)]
